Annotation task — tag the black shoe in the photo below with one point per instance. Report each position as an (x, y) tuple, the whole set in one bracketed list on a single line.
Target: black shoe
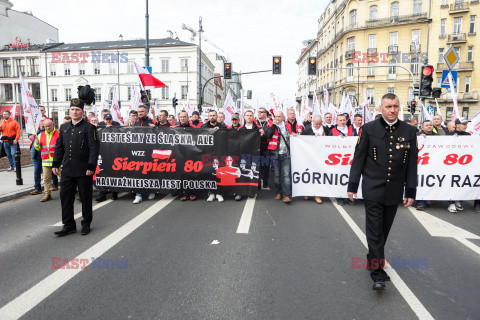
[(387, 278), (65, 231), (379, 285), (101, 198), (85, 230), (115, 196)]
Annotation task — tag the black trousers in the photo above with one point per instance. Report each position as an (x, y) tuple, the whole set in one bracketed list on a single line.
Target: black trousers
[(67, 198), (379, 220), (264, 167)]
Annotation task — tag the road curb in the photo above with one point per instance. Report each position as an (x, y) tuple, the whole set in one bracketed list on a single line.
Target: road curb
[(15, 195)]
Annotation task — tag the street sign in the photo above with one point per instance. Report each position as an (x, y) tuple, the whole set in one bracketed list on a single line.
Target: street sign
[(430, 109), (445, 83), (451, 57)]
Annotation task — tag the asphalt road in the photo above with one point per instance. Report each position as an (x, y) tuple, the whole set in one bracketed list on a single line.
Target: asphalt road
[(185, 260)]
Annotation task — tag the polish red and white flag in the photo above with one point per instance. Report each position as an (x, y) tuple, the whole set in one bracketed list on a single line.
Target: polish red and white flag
[(147, 79)]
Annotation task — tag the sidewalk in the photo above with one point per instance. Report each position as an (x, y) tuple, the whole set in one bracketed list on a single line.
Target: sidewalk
[(8, 184)]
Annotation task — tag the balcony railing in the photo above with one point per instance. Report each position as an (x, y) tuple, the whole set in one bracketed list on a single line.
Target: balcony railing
[(393, 49), (460, 7), (396, 19), (349, 54), (461, 66), (371, 51), (457, 37), (415, 47)]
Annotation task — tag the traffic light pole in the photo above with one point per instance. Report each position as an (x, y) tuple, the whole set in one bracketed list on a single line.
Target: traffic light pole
[(216, 77)]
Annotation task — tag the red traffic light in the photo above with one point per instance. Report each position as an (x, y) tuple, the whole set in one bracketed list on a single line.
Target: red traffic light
[(428, 70), (227, 66), (277, 60), (413, 103), (312, 61)]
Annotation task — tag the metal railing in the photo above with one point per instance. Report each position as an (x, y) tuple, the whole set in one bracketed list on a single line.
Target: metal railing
[(460, 6), (393, 49), (457, 37), (371, 51), (415, 47), (349, 54)]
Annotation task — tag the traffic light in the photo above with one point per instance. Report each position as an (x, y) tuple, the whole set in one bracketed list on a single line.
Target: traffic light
[(249, 94), (426, 81), (227, 70), (174, 102), (412, 106), (144, 98), (312, 66), (436, 93), (277, 65)]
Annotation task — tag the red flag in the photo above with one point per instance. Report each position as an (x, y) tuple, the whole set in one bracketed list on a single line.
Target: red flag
[(147, 79)]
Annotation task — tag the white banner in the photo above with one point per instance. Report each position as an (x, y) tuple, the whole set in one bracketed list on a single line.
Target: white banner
[(31, 112), (448, 167)]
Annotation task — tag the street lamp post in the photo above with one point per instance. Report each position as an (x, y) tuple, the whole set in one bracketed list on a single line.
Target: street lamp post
[(200, 30)]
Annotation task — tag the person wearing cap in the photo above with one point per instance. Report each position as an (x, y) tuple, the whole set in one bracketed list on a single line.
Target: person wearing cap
[(107, 117), (235, 122), (76, 150), (461, 127), (195, 120)]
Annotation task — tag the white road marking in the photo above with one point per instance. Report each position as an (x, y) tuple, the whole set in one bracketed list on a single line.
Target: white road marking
[(215, 242), (437, 227), (29, 299), (95, 207), (407, 294), (246, 218)]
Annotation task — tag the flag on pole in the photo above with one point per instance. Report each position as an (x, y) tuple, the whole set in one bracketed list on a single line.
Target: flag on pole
[(135, 98), (455, 113), (14, 112), (304, 109), (147, 79), (31, 112), (116, 115), (325, 97), (474, 126), (105, 99), (316, 107), (276, 105), (439, 112), (426, 114), (229, 109)]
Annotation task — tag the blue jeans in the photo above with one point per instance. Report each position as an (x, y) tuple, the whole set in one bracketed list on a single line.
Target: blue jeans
[(37, 168), (10, 150), (282, 174)]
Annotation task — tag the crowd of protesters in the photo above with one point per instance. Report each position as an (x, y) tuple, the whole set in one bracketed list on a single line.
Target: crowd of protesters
[(275, 131)]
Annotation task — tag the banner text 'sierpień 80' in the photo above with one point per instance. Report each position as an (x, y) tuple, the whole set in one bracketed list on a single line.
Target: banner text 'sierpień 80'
[(167, 160), (448, 167)]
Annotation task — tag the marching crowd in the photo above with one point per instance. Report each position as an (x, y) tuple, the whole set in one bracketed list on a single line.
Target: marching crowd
[(275, 130)]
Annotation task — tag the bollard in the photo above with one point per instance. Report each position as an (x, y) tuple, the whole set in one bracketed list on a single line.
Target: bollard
[(18, 166)]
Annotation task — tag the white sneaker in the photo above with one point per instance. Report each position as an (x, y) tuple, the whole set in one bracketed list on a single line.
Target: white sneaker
[(220, 198), (459, 206), (138, 199), (151, 196), (211, 197), (452, 208)]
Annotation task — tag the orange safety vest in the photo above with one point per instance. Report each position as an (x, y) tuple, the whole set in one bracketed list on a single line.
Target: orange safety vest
[(48, 149)]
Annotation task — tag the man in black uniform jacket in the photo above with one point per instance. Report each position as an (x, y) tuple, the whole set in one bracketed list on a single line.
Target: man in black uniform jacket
[(77, 152), (386, 155)]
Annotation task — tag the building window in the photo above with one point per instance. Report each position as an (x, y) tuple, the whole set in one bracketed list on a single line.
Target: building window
[(165, 93), (68, 94), (373, 13), (394, 38), (98, 94), (444, 3), (20, 67), (372, 41), (440, 55), (7, 68), (67, 69), (416, 36), (184, 92), (113, 68), (449, 113), (414, 65), (443, 24), (53, 69), (36, 91), (129, 93), (96, 68), (391, 90), (131, 67), (371, 96), (392, 71), (371, 70), (470, 53), (81, 69), (417, 7), (351, 44), (8, 92), (165, 66), (54, 94), (184, 65), (34, 71), (465, 112), (350, 72), (468, 81), (471, 29), (353, 18), (394, 11), (457, 25)]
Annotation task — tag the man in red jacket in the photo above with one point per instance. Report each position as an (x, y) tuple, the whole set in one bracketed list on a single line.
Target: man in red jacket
[(10, 134)]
